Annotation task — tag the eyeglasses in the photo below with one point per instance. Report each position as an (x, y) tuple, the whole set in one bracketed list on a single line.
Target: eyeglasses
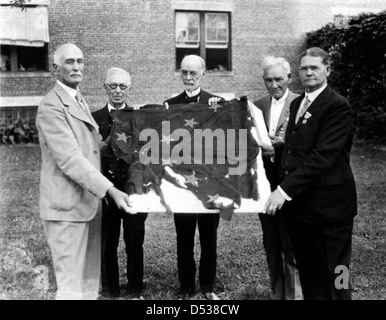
[(185, 73), (121, 86)]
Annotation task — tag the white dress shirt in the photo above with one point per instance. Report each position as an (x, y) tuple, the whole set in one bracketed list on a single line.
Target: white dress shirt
[(71, 91), (311, 97), (122, 106), (193, 93), (276, 109)]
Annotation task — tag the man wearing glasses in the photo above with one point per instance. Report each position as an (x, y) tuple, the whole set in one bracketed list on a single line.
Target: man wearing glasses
[(192, 73), (117, 87)]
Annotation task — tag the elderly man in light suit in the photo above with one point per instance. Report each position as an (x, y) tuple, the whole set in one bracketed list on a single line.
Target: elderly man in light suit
[(71, 184), (285, 283)]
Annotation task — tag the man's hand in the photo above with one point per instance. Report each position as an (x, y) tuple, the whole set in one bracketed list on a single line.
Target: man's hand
[(121, 199), (178, 179), (275, 140), (268, 151), (275, 202), (214, 100), (104, 145)]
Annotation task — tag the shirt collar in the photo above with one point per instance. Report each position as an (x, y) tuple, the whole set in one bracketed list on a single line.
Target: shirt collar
[(282, 99), (193, 93), (123, 105), (71, 91), (313, 95)]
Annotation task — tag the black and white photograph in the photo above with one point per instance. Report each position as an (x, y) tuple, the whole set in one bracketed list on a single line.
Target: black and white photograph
[(190, 156)]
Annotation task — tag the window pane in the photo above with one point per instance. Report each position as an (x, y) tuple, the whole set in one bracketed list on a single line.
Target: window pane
[(187, 29), (5, 60), (216, 27), (31, 58), (217, 59), (182, 52)]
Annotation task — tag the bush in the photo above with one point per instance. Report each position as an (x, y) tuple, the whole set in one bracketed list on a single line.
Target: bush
[(358, 54)]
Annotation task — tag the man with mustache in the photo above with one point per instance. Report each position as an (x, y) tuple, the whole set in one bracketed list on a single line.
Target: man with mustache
[(192, 73), (71, 184), (117, 87)]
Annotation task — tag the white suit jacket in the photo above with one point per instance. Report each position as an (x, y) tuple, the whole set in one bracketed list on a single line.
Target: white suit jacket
[(71, 184)]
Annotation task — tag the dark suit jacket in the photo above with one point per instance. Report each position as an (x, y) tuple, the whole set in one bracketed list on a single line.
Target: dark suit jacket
[(115, 170), (316, 160), (272, 169), (204, 97)]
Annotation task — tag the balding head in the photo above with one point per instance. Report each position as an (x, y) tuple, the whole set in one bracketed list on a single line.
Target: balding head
[(117, 86), (115, 72), (64, 50), (195, 60), (69, 64), (192, 72)]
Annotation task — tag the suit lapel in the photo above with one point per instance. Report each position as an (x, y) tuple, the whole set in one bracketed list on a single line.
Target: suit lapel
[(73, 107), (266, 109), (284, 115), (315, 106), (293, 113)]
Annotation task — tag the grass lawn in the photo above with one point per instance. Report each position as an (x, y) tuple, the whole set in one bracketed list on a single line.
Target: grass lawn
[(26, 266)]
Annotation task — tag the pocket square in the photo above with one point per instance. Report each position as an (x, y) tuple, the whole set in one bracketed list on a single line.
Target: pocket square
[(304, 121), (307, 115)]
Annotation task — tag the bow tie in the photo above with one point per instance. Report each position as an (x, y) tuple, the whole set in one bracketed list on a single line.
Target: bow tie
[(193, 99)]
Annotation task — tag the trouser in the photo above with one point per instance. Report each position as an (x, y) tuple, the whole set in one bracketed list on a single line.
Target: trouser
[(319, 249), (133, 235), (283, 271), (186, 227), (75, 248)]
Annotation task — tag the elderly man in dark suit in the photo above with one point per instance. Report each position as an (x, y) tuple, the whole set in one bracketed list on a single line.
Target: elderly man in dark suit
[(71, 184), (117, 87), (192, 73), (318, 186), (284, 276)]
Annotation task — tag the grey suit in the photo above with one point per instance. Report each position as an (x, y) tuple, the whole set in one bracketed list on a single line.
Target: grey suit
[(71, 187)]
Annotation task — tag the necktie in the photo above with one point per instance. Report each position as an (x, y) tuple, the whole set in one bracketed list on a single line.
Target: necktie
[(193, 99), (304, 108), (81, 102)]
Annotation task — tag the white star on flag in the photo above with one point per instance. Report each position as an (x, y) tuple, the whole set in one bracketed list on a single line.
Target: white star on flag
[(213, 198), (167, 139), (215, 107), (122, 137), (192, 179), (190, 123)]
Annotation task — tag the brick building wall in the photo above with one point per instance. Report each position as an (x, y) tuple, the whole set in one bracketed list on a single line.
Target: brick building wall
[(139, 35)]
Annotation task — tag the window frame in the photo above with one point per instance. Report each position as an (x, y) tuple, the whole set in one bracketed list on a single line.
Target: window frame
[(203, 37), (14, 61)]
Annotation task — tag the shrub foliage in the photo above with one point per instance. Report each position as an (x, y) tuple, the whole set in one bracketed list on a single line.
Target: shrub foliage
[(358, 53)]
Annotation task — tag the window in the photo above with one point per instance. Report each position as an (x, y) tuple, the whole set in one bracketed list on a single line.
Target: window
[(206, 34), (21, 58), (24, 39)]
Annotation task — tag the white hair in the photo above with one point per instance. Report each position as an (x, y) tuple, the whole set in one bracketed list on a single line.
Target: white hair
[(271, 61), (196, 58), (59, 51), (115, 70)]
